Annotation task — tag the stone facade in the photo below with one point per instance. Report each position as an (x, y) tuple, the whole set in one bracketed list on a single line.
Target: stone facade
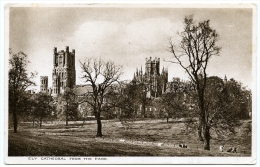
[(155, 81), (63, 73), (44, 84)]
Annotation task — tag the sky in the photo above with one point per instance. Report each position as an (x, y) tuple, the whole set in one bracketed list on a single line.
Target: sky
[(127, 35)]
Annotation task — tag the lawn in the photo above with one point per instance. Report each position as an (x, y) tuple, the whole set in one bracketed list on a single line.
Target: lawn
[(139, 138)]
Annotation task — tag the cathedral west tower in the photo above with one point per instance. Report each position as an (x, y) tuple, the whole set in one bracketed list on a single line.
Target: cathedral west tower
[(63, 73)]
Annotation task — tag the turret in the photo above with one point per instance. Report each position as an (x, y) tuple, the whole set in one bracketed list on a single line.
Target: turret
[(67, 49), (54, 56), (158, 65), (225, 79), (44, 84), (73, 58), (66, 57), (134, 79)]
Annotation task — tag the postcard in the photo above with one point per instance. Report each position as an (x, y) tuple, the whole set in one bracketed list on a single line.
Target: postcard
[(165, 83)]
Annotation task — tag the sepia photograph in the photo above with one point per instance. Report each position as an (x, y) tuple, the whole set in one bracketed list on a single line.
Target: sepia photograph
[(130, 83)]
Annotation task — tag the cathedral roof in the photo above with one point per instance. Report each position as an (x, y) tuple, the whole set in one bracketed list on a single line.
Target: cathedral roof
[(82, 89)]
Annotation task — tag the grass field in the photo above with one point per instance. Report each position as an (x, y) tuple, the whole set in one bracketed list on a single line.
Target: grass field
[(140, 138)]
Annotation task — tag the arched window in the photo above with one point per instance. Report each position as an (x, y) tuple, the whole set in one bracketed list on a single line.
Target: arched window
[(60, 60)]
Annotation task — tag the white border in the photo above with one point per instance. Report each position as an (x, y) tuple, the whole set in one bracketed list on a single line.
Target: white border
[(140, 160)]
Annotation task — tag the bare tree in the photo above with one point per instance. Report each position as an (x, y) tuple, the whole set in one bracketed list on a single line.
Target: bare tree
[(100, 75), (19, 81), (197, 46)]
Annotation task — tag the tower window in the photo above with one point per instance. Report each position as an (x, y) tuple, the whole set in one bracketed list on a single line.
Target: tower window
[(60, 60), (56, 60)]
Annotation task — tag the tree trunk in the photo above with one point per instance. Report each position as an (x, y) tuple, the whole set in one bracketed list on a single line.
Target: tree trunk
[(143, 113), (99, 126), (15, 121), (33, 123), (40, 122), (200, 130), (167, 119), (201, 115), (207, 138), (67, 121)]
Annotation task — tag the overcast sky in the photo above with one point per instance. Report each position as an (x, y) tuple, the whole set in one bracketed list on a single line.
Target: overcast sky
[(127, 36)]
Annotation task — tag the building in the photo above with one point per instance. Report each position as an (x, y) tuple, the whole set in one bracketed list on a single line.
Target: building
[(44, 84), (63, 73), (152, 78)]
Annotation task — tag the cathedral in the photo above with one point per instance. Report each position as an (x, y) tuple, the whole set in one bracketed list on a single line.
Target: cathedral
[(156, 82), (63, 73)]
